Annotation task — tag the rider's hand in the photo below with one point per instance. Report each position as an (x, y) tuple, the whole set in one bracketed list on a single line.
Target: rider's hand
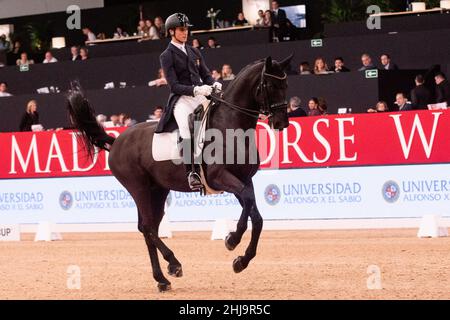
[(203, 91), (217, 86)]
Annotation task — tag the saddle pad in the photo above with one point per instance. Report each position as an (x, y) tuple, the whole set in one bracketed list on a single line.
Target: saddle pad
[(165, 146)]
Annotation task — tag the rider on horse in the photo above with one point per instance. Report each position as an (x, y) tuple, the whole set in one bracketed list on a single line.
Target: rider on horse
[(190, 83)]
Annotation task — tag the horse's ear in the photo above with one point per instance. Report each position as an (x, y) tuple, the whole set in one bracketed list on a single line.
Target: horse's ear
[(286, 62), (268, 63)]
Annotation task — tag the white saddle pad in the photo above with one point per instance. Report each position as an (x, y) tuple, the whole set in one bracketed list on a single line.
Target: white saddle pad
[(165, 146)]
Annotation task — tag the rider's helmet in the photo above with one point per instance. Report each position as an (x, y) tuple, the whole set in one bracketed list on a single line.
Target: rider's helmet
[(177, 20)]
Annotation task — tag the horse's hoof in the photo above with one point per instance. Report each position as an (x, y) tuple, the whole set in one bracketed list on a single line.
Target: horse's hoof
[(175, 271), (164, 287), (238, 265), (228, 245)]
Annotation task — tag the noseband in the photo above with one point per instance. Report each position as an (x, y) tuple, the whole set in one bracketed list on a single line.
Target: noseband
[(267, 108)]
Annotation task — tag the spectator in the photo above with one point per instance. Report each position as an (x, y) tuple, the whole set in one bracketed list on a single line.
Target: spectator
[(24, 60), (84, 53), (120, 33), (295, 109), (260, 20), (380, 107), (217, 76), (313, 106), (126, 121), (304, 68), (30, 118), (90, 36), (49, 58), (160, 81), (160, 28), (402, 102), (101, 36), (101, 119), (197, 44), (420, 95), (442, 88), (4, 43), (320, 66), (387, 63), (227, 73), (4, 90), (241, 21), (212, 43), (157, 114), (268, 18), (75, 53), (339, 65), (366, 63), (323, 107), (114, 120), (142, 28), (279, 21)]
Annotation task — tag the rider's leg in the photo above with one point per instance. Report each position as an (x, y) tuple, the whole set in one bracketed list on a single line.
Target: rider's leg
[(184, 107)]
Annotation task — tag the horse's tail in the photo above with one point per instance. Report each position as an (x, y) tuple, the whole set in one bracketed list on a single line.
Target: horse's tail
[(82, 117)]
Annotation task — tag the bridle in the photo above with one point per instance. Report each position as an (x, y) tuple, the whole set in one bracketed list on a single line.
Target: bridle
[(267, 108)]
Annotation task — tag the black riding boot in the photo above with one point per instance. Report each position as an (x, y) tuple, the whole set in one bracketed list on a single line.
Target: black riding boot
[(193, 177)]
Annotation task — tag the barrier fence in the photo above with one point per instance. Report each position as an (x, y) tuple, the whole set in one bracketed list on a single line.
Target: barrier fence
[(392, 165)]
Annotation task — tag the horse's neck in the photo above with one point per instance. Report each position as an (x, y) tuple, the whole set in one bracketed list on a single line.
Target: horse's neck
[(241, 92)]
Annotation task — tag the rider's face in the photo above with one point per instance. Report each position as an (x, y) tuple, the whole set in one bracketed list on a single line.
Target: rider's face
[(181, 34)]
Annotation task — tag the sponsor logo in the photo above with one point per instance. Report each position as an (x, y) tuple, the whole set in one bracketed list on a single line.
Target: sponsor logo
[(66, 200), (391, 191), (272, 194)]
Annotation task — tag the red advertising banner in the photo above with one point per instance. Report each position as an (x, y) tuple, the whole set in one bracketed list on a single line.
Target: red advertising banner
[(349, 140)]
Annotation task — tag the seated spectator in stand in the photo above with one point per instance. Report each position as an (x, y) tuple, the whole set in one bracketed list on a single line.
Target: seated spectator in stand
[(74, 51), (157, 114), (84, 53), (227, 73), (90, 36), (313, 106), (30, 118), (323, 106), (126, 121), (212, 43), (101, 119), (241, 21), (160, 27), (49, 58), (320, 66), (380, 107), (304, 68), (366, 63), (114, 120), (4, 43), (339, 65), (4, 90), (260, 20), (295, 109), (142, 29), (160, 81), (402, 102), (24, 60), (152, 33), (420, 95), (217, 76), (442, 88), (197, 44), (120, 33), (267, 18), (386, 63)]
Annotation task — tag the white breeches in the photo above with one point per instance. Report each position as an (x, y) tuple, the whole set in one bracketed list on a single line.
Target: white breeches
[(183, 108)]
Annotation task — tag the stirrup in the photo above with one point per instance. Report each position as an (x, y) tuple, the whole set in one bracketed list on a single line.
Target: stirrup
[(194, 181)]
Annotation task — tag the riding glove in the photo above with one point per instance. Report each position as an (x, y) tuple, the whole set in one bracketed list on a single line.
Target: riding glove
[(203, 91), (217, 86)]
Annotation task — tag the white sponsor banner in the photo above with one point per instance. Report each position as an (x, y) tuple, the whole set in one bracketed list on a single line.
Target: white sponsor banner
[(326, 193)]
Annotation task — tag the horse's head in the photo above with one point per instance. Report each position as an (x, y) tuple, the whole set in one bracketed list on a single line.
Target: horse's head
[(271, 93)]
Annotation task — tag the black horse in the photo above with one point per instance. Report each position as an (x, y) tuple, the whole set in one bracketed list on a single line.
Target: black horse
[(260, 88)]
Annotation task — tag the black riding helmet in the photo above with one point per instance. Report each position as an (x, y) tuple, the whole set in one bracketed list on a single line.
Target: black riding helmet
[(177, 20)]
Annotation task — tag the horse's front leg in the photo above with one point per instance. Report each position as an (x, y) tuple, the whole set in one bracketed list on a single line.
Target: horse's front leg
[(247, 197), (234, 238)]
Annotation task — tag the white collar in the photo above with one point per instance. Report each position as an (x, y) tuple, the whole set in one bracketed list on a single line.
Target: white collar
[(182, 47)]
